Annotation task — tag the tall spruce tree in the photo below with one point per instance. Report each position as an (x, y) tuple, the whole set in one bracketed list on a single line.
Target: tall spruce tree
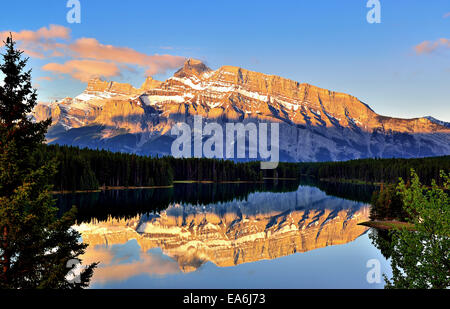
[(35, 245)]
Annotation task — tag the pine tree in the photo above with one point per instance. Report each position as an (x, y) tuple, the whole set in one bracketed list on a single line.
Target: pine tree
[(35, 246)]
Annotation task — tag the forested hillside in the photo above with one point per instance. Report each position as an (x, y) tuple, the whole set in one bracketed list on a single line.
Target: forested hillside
[(378, 170), (86, 169)]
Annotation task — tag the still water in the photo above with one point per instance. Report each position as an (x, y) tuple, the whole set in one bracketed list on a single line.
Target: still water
[(272, 235)]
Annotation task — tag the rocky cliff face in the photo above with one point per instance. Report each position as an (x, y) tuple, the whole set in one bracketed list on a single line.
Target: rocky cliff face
[(238, 232), (315, 124)]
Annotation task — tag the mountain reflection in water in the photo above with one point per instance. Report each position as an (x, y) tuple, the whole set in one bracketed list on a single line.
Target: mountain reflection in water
[(186, 235)]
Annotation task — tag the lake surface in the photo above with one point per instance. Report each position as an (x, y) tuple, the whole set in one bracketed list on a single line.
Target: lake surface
[(272, 235)]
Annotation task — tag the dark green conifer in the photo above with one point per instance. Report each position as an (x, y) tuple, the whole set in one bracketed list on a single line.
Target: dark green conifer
[(35, 245)]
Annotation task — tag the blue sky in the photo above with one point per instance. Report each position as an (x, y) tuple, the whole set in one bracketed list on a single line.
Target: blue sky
[(327, 43)]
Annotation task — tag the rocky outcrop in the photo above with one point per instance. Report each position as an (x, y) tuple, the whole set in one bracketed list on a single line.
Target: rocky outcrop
[(150, 83), (96, 85)]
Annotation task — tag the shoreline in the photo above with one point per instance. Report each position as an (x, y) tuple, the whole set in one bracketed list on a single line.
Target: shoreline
[(108, 188), (353, 181)]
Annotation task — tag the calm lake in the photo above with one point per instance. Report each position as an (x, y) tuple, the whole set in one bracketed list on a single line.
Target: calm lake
[(272, 235)]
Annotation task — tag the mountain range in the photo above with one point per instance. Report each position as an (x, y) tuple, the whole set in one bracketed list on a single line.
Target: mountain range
[(315, 124)]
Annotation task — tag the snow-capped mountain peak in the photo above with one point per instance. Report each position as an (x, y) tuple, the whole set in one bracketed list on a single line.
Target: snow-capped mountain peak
[(315, 124)]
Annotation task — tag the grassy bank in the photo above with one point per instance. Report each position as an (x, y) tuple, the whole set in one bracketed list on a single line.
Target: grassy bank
[(388, 225)]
